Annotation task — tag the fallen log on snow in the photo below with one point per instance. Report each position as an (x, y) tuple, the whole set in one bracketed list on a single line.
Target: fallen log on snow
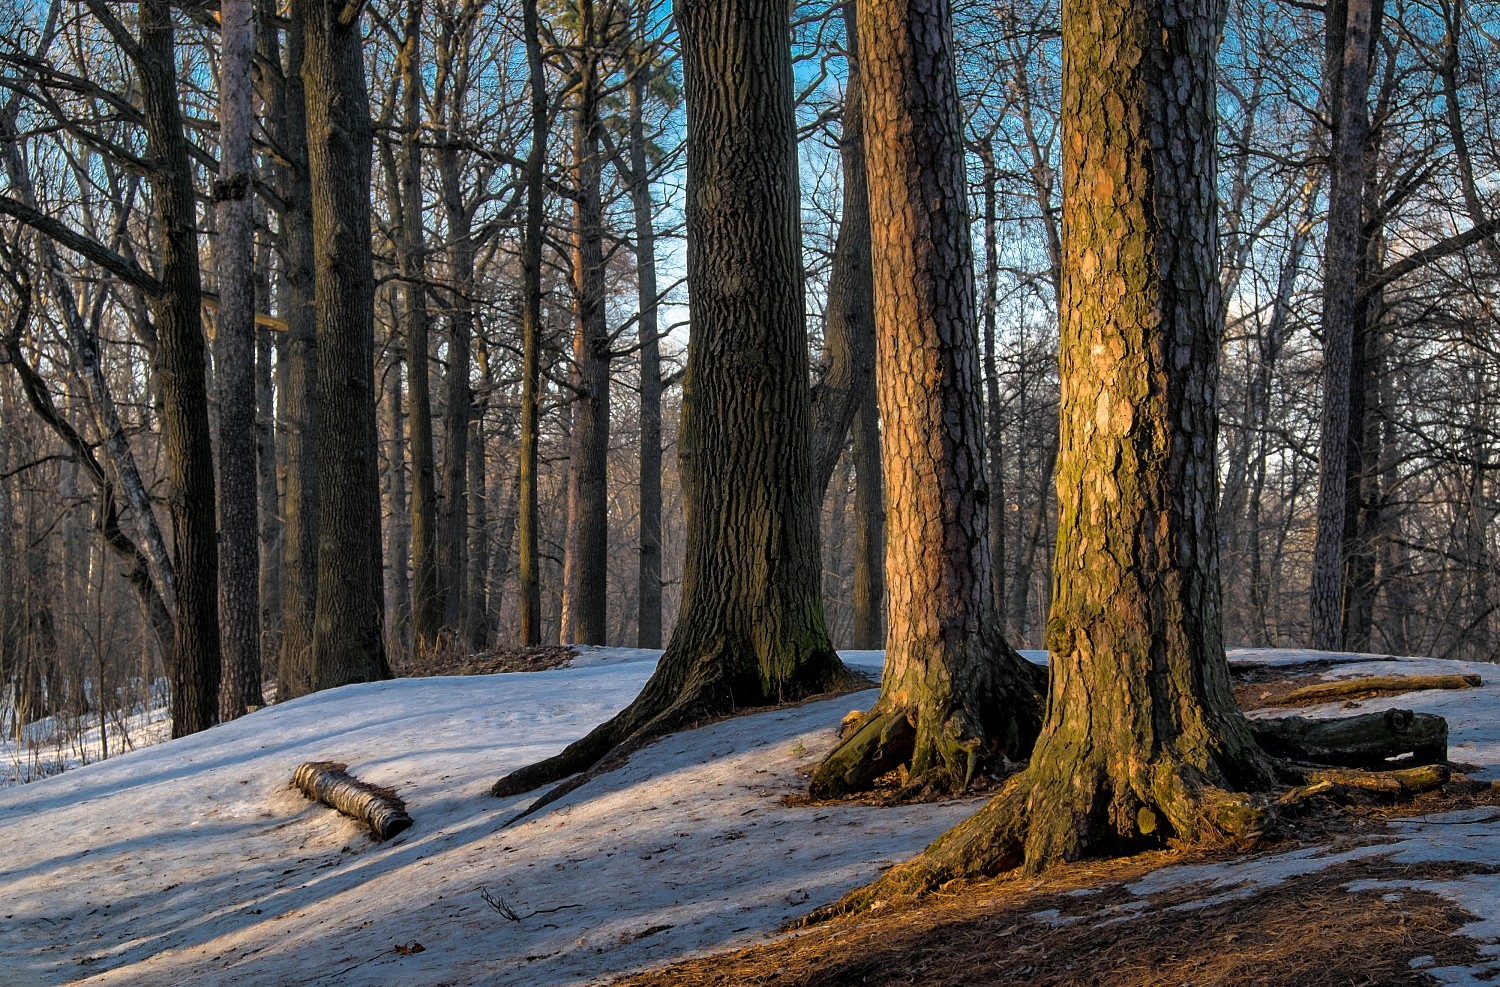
[(1378, 684), (1364, 741), (1344, 785), (378, 808)]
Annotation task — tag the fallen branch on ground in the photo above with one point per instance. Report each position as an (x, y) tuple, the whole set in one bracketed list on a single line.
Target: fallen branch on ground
[(378, 808), (1340, 784), (1378, 684)]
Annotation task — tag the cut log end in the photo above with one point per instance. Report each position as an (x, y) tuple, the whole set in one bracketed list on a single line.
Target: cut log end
[(380, 809)]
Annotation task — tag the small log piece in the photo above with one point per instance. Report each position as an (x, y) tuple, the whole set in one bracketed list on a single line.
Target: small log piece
[(1374, 685), (1364, 741), (378, 808)]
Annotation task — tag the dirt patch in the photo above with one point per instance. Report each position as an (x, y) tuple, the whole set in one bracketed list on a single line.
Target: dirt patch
[(1080, 924), (1263, 686), (1309, 931), (488, 662)]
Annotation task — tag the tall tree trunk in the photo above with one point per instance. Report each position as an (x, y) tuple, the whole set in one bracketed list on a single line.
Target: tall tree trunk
[(397, 511), (993, 429), (528, 578), (234, 259), (648, 569), (751, 625), (1143, 741), (195, 665), (426, 578), (586, 541), (1347, 82), (268, 497), (849, 328), (299, 401), (453, 545), (348, 640), (955, 699), (477, 535)]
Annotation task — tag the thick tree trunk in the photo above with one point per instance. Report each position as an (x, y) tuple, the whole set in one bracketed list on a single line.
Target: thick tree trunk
[(528, 578), (239, 552), (955, 699), (1347, 80), (586, 543), (1143, 741), (195, 665), (751, 627), (459, 605), (299, 400), (348, 640)]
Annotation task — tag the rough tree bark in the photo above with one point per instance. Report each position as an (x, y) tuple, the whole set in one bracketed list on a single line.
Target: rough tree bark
[(956, 700), (348, 643), (751, 626), (1143, 741), (177, 311), (234, 365), (295, 291)]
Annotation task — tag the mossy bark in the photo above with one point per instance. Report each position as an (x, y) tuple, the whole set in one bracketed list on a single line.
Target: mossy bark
[(1142, 742), (751, 628), (955, 699)]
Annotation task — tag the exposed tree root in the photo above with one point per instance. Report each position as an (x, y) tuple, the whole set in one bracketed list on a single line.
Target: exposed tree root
[(943, 744), (682, 693), (1376, 685)]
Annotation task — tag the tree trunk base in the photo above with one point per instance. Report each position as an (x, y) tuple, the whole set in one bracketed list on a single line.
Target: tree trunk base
[(682, 693), (943, 747), (378, 808)]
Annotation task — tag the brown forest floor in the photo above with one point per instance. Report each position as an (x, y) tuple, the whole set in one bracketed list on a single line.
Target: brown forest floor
[(1311, 930)]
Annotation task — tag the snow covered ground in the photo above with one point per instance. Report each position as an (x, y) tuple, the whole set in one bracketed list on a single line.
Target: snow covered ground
[(193, 862)]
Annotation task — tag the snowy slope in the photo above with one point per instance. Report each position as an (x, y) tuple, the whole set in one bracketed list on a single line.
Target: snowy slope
[(194, 863)]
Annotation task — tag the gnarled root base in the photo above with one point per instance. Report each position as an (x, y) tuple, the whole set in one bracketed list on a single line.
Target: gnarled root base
[(1040, 820), (942, 746), (682, 693)]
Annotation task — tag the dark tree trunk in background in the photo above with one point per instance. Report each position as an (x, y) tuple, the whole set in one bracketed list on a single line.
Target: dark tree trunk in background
[(955, 699), (751, 626), (348, 643), (195, 663), (426, 583), (869, 526), (1346, 85), (528, 576), (299, 399), (849, 328), (586, 544), (1143, 742), (648, 570), (460, 608), (234, 259)]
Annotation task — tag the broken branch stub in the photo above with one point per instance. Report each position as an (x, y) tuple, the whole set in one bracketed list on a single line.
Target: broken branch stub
[(378, 808)]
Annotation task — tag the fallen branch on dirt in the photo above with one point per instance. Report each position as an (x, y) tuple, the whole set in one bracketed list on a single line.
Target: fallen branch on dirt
[(1364, 741), (378, 808), (1370, 685)]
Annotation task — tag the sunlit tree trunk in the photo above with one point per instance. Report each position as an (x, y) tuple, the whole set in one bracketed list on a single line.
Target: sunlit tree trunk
[(955, 699), (528, 576)]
